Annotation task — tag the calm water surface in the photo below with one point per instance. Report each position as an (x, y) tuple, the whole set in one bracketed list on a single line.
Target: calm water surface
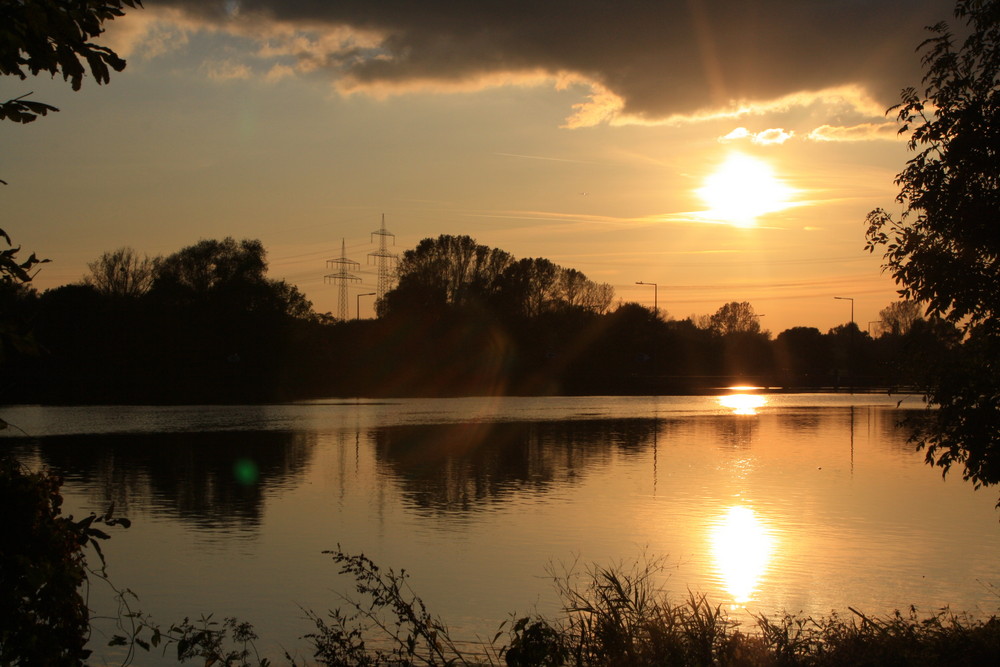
[(798, 503)]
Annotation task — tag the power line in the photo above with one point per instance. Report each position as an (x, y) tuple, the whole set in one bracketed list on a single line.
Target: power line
[(341, 277), (384, 259)]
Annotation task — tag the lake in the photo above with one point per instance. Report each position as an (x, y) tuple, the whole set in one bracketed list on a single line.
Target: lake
[(765, 502)]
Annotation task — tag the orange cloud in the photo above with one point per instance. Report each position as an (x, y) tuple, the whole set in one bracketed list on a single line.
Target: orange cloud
[(888, 131)]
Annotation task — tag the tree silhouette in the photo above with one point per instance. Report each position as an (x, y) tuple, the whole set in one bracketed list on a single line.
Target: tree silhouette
[(735, 317), (122, 272), (899, 317), (455, 271), (944, 248)]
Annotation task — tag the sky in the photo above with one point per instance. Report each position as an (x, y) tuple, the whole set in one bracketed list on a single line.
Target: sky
[(725, 150)]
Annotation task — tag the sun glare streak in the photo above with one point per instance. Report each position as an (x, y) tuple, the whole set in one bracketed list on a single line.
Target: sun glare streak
[(742, 189), (742, 546)]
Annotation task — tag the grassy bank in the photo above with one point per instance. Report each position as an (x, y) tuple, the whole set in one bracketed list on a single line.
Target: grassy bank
[(612, 616)]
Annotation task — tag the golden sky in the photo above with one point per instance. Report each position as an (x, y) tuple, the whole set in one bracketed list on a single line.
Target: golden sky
[(723, 150)]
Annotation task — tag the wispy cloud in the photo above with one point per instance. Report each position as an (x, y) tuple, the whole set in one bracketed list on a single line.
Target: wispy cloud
[(773, 136), (543, 157), (888, 131), (768, 137), (683, 217), (227, 70)]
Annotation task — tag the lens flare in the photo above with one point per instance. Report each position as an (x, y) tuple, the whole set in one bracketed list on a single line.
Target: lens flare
[(245, 472)]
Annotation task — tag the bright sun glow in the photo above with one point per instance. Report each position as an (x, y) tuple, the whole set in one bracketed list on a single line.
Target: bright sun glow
[(742, 546), (743, 404), (742, 189)]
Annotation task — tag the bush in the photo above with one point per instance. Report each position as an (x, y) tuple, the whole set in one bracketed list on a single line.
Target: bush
[(44, 618)]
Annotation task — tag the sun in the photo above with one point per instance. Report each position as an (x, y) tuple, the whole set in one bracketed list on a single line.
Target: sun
[(742, 189)]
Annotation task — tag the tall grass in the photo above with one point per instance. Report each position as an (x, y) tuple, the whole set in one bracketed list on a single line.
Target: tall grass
[(618, 616), (613, 616)]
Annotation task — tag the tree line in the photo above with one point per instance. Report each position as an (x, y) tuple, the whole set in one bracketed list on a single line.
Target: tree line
[(206, 324)]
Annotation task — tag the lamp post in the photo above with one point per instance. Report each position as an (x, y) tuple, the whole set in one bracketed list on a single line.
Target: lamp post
[(851, 299), (850, 343), (656, 305), (358, 300)]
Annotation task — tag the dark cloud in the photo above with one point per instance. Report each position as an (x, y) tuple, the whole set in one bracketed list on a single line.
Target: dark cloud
[(661, 58)]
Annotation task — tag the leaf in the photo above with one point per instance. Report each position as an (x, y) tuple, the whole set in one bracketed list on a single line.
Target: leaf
[(99, 534)]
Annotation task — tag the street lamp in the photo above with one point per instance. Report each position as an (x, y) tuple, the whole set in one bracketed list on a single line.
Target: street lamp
[(656, 306), (850, 343), (358, 300), (851, 299)]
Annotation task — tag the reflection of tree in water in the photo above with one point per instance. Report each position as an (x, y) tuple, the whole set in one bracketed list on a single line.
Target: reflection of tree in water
[(211, 479), (891, 426), (736, 431), (463, 467), (896, 427), (804, 421)]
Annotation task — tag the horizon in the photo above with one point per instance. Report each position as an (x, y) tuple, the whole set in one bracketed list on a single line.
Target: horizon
[(579, 135)]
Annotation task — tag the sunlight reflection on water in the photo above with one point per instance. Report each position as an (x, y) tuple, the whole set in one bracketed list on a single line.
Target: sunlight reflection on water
[(743, 404), (742, 546), (765, 514)]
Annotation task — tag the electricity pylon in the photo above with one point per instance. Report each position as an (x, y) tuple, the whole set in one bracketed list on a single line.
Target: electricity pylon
[(384, 258), (341, 277)]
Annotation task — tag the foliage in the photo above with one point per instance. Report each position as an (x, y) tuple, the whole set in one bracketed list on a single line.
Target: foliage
[(55, 37), (225, 274), (456, 272), (406, 634), (619, 615), (735, 317), (12, 269), (966, 425), (943, 638), (453, 269), (231, 644), (122, 273), (43, 570), (944, 248), (44, 619), (535, 643), (15, 275), (211, 264), (899, 317), (21, 110)]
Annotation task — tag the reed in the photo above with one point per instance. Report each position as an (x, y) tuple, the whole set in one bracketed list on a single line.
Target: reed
[(612, 616), (619, 616)]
